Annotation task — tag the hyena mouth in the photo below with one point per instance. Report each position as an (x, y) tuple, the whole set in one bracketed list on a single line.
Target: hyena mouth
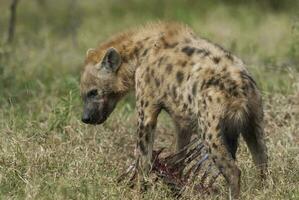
[(95, 121), (102, 116), (94, 118), (101, 120)]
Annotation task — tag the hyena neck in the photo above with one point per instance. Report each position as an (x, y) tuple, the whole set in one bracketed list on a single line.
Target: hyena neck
[(133, 50)]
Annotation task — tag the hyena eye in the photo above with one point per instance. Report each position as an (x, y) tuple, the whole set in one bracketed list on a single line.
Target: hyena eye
[(92, 93)]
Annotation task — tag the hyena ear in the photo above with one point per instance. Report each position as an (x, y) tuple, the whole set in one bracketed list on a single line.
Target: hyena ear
[(111, 60), (91, 54)]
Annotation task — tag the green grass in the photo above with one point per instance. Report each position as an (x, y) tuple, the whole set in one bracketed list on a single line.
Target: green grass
[(47, 153)]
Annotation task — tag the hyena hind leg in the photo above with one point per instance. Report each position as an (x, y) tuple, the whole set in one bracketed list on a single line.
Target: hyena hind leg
[(223, 156), (253, 135)]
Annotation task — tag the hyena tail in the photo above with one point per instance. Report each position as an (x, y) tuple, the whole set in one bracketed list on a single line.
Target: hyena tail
[(246, 117)]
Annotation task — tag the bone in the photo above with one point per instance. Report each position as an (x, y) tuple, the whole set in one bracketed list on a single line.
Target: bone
[(168, 169)]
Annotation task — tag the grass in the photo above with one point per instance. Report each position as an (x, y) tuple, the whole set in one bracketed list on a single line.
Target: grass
[(47, 153)]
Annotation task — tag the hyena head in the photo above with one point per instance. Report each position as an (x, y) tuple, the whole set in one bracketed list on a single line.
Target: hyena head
[(99, 82)]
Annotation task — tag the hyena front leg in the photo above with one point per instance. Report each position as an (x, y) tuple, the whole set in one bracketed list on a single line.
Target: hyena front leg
[(147, 120), (184, 131)]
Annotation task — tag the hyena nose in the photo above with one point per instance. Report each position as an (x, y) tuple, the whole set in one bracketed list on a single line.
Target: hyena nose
[(86, 119)]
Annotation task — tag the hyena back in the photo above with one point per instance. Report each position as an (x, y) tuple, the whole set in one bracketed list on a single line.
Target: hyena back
[(198, 83)]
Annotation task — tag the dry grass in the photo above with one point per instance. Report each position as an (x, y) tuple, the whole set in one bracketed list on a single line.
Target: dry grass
[(82, 162), (47, 153)]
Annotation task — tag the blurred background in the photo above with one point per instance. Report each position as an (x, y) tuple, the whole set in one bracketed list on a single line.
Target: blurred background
[(46, 152)]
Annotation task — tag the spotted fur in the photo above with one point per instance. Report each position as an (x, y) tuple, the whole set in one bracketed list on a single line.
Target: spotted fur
[(198, 83)]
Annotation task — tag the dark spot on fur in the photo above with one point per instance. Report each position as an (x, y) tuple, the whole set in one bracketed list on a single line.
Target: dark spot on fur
[(229, 56), (185, 106), (210, 98), (213, 81), (204, 52), (145, 52), (142, 147), (220, 167), (141, 103), (218, 128), (216, 60), (233, 89), (209, 124), (202, 85), (245, 87), (146, 104), (160, 61), (140, 133), (147, 137), (157, 82), (235, 93), (194, 88), (152, 72), (169, 68), (221, 86), (184, 63), (214, 146), (174, 92), (179, 77), (141, 115), (189, 98), (136, 51), (188, 50), (224, 69), (210, 136)]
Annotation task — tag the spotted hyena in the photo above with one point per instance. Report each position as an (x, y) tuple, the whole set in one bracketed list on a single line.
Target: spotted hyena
[(199, 84)]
